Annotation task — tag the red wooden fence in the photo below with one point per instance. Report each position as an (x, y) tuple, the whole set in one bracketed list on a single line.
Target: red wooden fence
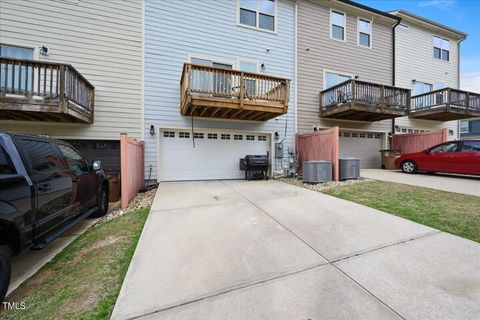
[(132, 167), (321, 145), (415, 142)]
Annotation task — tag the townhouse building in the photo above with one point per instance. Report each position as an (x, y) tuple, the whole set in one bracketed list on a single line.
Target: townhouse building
[(73, 70), (218, 86), (358, 67), (205, 83)]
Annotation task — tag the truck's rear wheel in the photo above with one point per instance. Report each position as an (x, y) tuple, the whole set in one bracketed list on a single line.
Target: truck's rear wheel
[(5, 270)]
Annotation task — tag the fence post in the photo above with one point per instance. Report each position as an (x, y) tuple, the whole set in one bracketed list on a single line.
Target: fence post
[(124, 169)]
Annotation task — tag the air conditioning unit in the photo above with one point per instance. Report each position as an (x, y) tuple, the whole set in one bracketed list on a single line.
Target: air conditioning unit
[(315, 171), (349, 168)]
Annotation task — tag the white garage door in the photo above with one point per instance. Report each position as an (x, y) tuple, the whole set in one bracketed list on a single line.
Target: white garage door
[(362, 145), (215, 156)]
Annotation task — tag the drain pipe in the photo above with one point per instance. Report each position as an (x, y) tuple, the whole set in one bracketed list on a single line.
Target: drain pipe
[(393, 64)]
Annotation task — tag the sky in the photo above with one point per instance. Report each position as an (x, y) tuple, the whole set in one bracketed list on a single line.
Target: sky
[(462, 15)]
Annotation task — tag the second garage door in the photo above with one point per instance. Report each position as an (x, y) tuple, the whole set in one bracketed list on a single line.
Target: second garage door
[(362, 145), (215, 155)]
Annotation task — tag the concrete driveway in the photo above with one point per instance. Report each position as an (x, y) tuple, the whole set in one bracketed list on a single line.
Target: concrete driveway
[(270, 250), (445, 182)]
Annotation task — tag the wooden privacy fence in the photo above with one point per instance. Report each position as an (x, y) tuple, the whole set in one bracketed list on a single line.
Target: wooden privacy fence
[(416, 142), (321, 145), (132, 167)]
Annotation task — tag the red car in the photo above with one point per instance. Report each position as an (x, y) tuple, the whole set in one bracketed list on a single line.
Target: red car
[(461, 157)]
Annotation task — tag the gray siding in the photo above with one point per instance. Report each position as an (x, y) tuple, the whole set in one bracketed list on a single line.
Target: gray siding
[(414, 60), (102, 40), (373, 64), (178, 30)]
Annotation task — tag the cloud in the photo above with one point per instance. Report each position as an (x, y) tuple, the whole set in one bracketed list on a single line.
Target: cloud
[(470, 81), (439, 4)]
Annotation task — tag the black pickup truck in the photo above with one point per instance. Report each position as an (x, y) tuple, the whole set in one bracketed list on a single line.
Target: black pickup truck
[(46, 187)]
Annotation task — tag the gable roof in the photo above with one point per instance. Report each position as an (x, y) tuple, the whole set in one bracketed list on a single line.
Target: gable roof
[(428, 23)]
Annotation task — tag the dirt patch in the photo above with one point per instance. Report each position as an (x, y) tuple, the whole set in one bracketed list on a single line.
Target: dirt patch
[(320, 187)]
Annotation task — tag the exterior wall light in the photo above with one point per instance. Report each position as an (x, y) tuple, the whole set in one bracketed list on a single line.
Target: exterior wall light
[(152, 129)]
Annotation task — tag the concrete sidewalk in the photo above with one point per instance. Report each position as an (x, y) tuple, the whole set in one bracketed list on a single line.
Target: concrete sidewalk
[(445, 182), (270, 250)]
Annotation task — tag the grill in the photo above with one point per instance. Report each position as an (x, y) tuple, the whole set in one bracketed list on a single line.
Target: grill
[(255, 166)]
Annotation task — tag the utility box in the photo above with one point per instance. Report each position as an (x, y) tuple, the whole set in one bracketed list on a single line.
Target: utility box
[(279, 150), (388, 158)]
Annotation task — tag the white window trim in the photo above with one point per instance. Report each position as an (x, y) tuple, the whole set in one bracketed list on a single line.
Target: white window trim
[(449, 51), (371, 32), (36, 49), (467, 127), (344, 25), (212, 58), (325, 71), (275, 19)]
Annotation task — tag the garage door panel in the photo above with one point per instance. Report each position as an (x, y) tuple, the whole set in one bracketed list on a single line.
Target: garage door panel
[(209, 159), (362, 145)]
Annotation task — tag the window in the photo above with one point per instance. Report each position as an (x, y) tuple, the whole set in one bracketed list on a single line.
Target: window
[(184, 135), (237, 137), (262, 138), (6, 165), (346, 134), (337, 27), (370, 136), (421, 87), (354, 135), (198, 135), (441, 48), (169, 134), (220, 83), (446, 147), (250, 137), (464, 127), (212, 136), (43, 159), (225, 136), (377, 136), (471, 146), (332, 79), (362, 135), (364, 33), (23, 73), (76, 163), (258, 14)]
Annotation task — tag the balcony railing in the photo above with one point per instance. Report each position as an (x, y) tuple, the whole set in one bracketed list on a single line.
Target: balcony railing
[(364, 101), (214, 92), (44, 91), (445, 105)]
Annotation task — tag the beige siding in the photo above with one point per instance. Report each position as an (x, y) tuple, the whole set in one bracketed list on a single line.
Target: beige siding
[(102, 40), (373, 64), (414, 61)]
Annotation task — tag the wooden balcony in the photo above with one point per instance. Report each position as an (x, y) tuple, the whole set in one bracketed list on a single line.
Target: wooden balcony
[(213, 92), (364, 101), (44, 91), (445, 105)]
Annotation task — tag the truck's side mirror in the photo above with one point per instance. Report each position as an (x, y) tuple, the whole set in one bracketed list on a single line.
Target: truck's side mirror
[(96, 165)]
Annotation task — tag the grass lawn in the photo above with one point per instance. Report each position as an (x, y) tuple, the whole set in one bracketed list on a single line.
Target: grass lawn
[(82, 281), (451, 212)]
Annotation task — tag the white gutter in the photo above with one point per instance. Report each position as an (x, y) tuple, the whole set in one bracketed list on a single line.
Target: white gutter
[(295, 73)]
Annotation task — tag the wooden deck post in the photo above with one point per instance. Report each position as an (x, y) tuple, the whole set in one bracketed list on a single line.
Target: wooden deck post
[(382, 98), (352, 102), (321, 104), (62, 103)]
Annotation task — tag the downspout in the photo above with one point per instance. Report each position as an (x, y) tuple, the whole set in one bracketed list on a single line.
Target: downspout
[(458, 81), (295, 75), (393, 65)]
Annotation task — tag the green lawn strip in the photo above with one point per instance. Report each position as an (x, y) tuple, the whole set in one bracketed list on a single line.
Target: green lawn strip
[(450, 212), (82, 281)]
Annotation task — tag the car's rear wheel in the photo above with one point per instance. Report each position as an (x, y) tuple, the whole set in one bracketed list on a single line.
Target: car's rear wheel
[(5, 271), (408, 166), (102, 203)]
